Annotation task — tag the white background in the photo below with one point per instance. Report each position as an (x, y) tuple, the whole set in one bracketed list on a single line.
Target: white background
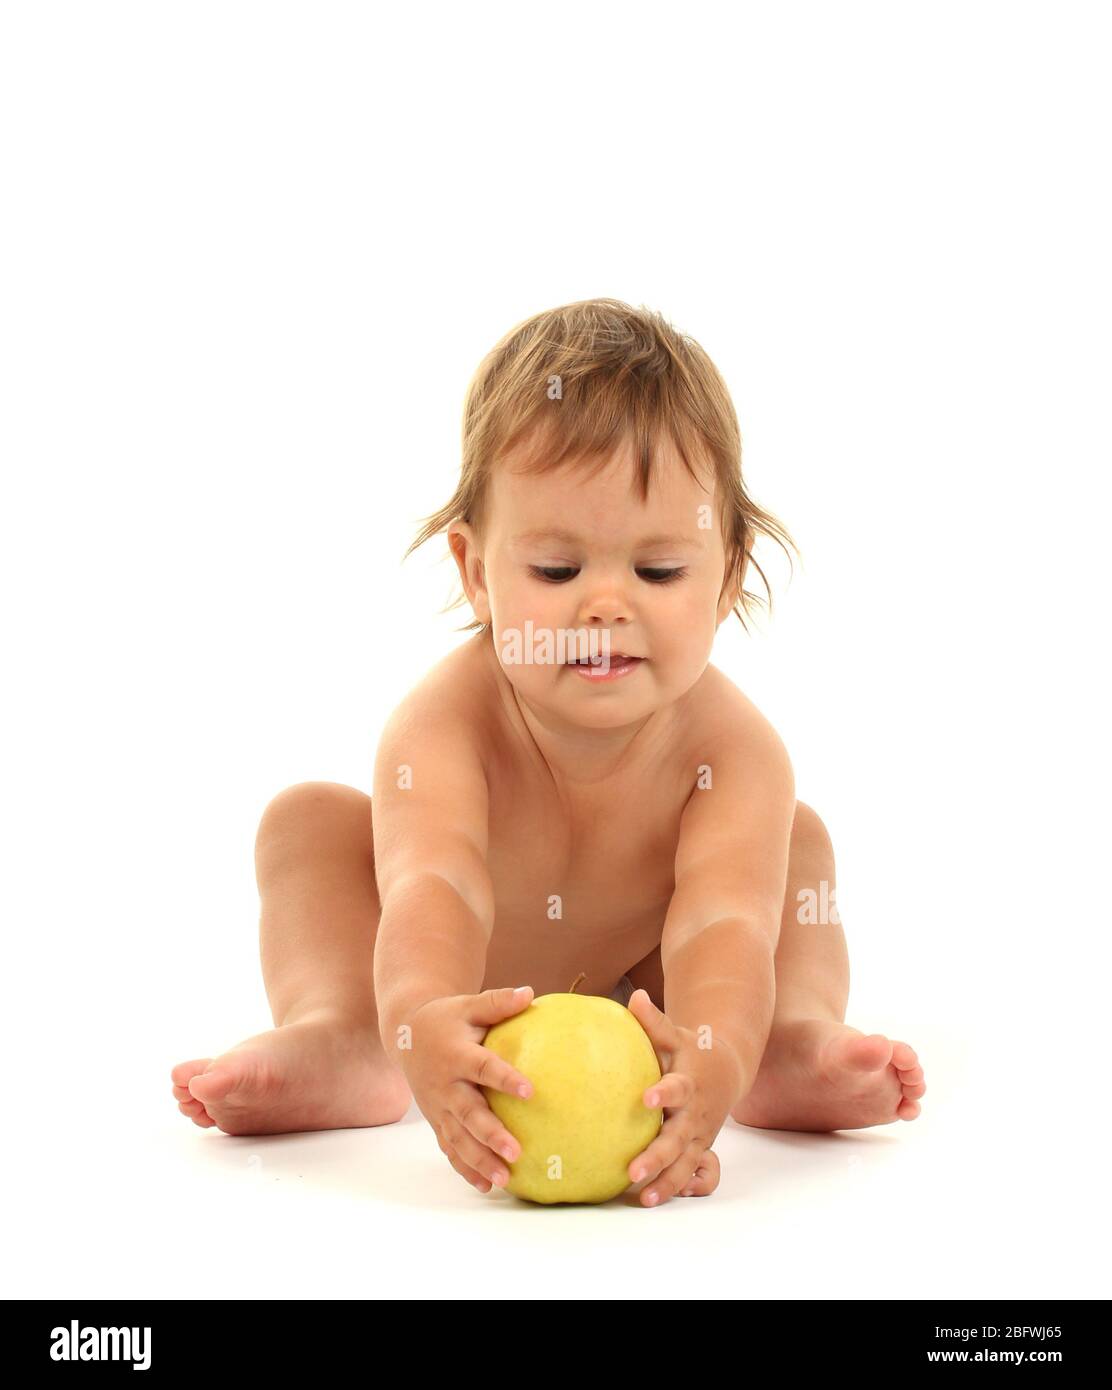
[(252, 255)]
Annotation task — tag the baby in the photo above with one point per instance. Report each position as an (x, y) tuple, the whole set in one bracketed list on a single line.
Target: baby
[(573, 791)]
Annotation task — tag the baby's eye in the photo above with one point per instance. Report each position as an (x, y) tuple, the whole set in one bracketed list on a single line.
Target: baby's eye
[(662, 576), (560, 574), (554, 574)]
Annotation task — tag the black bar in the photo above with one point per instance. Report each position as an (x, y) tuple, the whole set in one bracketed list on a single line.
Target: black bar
[(334, 1338)]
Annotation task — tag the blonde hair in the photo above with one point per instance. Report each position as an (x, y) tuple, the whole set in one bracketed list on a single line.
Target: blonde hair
[(620, 373)]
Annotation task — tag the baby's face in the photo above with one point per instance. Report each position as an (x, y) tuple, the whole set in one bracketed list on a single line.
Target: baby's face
[(566, 550)]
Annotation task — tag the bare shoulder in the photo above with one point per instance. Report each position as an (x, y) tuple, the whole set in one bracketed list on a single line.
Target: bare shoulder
[(430, 782), (433, 747), (724, 722), (732, 857), (452, 704)]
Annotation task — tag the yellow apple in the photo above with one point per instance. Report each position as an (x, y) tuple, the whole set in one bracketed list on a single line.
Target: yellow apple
[(590, 1063)]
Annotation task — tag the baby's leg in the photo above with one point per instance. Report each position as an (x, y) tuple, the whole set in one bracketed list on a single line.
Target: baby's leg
[(323, 1065), (817, 1072)]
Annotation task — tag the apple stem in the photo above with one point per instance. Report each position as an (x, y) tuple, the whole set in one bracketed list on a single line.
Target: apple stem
[(581, 976)]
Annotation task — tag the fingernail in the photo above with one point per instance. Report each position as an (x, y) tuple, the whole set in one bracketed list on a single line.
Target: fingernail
[(500, 1179), (523, 1091), (507, 1152), (652, 1099), (637, 1174), (522, 989), (652, 1199)]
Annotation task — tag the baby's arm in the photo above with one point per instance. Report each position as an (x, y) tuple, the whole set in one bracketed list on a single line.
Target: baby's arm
[(437, 914), (720, 934), (430, 837)]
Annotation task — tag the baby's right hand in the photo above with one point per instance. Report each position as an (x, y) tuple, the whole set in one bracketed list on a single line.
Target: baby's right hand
[(446, 1066)]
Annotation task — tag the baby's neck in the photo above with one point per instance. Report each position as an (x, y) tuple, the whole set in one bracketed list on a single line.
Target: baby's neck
[(581, 757)]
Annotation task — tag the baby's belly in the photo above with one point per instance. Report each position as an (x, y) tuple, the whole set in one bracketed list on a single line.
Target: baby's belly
[(588, 898), (552, 953)]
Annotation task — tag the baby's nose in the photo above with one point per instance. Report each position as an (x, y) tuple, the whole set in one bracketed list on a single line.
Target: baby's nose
[(604, 605)]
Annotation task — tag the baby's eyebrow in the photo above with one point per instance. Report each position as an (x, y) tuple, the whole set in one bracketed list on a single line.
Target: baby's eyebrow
[(557, 533)]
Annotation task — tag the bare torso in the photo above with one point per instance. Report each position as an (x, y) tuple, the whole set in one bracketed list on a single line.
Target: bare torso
[(582, 873)]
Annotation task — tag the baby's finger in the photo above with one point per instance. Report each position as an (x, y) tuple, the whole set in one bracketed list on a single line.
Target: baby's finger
[(475, 1179), (474, 1154), (468, 1106), (660, 1028), (672, 1140), (672, 1180), (493, 1005), (486, 1068), (706, 1177), (673, 1089)]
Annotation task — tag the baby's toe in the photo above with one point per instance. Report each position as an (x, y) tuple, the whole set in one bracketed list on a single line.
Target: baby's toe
[(189, 1104), (196, 1112), (904, 1057), (214, 1084), (906, 1062), (184, 1071)]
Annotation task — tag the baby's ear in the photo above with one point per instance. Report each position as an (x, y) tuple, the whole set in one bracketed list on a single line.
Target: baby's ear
[(464, 545), (731, 590)]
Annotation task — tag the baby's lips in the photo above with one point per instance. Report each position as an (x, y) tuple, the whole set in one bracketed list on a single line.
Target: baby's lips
[(604, 656)]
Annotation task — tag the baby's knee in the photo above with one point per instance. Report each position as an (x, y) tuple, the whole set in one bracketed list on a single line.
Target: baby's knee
[(316, 813), (810, 836)]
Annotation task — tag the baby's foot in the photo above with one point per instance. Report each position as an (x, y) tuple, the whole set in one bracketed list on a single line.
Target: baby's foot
[(818, 1074), (321, 1072)]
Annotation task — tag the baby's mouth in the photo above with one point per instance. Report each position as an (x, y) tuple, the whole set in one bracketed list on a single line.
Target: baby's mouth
[(615, 660)]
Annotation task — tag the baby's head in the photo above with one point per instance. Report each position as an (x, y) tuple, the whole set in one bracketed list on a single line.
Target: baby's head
[(601, 494)]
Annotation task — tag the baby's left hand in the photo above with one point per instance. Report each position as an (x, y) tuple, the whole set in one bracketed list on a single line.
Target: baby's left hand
[(695, 1090)]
